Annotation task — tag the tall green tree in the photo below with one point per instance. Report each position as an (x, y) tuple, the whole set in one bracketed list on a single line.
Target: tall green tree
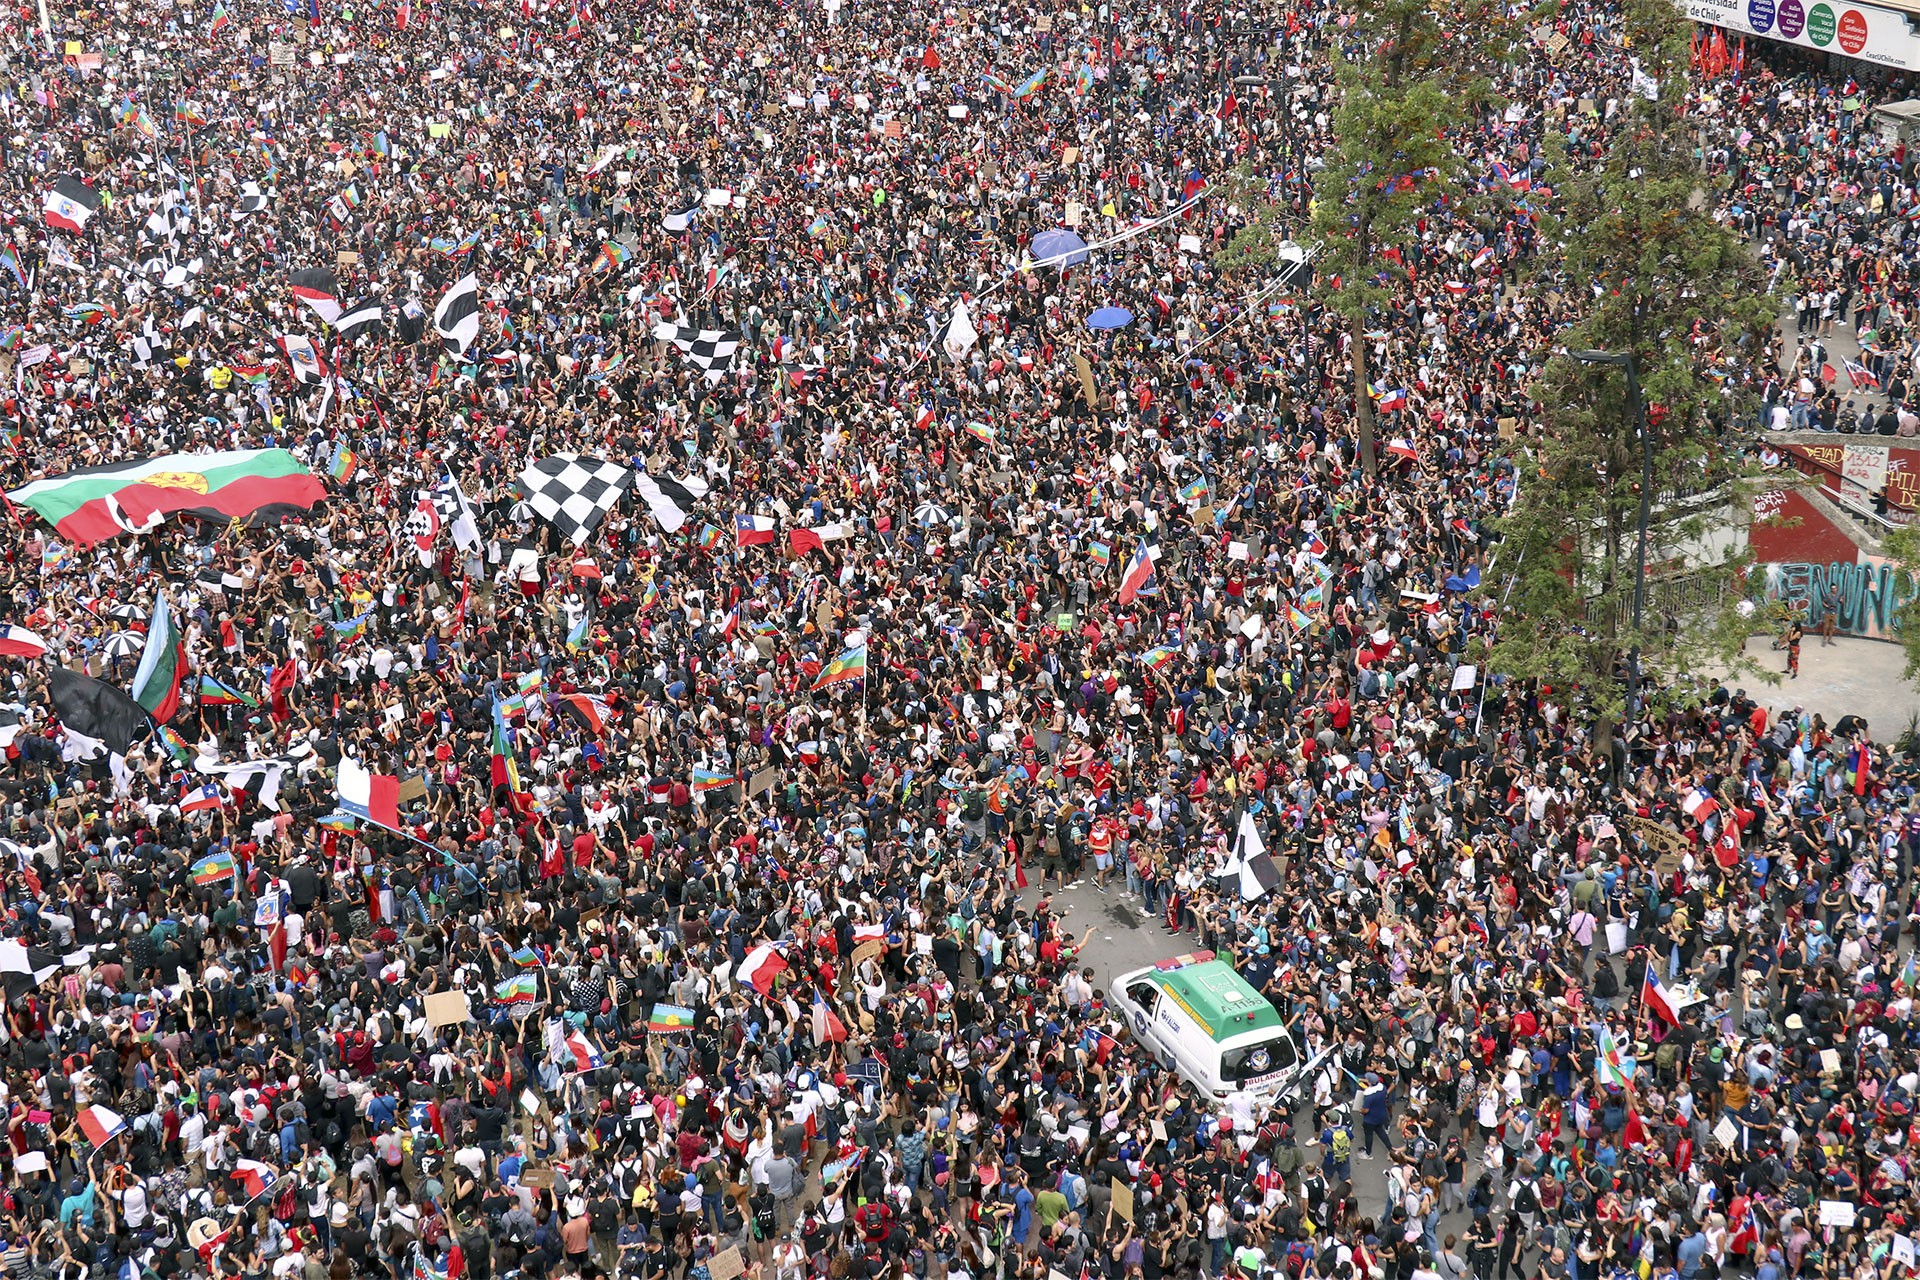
[(1651, 273), (1407, 87)]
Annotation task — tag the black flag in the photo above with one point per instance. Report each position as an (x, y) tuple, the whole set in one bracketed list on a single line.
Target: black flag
[(96, 709)]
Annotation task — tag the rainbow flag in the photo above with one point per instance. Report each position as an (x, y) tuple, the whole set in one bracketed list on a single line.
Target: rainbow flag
[(1100, 551), (343, 463), (708, 780), (648, 595), (982, 432), (1157, 657), (577, 638), (338, 820), (221, 19), (213, 868), (1298, 620), (848, 667), (667, 1018), (522, 988), (215, 694), (525, 957), (1195, 492)]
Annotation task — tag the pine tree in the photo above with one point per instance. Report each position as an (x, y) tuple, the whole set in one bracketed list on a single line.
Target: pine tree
[(1655, 276), (1409, 85)]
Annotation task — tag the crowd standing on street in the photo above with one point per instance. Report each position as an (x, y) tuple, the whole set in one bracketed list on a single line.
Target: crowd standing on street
[(714, 930)]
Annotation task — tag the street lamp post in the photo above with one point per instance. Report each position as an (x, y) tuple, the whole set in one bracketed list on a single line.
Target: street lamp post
[(1637, 405)]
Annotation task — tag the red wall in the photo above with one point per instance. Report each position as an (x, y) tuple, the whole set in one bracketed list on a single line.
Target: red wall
[(1788, 528)]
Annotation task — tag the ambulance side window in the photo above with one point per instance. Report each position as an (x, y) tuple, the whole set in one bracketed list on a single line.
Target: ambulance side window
[(1145, 996)]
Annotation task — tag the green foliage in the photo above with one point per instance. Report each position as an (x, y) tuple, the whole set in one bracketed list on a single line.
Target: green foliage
[(1903, 548), (1393, 158), (1255, 246), (1657, 277)]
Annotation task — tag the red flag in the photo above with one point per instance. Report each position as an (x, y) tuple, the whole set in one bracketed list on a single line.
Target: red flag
[(277, 946), (930, 59), (403, 15), (1635, 1133)]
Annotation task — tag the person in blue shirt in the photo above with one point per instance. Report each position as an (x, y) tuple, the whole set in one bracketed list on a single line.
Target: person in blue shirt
[(1022, 1209), (79, 1203), (1690, 1254)]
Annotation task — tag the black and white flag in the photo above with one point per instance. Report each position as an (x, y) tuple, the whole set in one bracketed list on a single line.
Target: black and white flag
[(457, 318), (711, 349), (574, 493), (147, 344), (670, 500), (362, 315), (252, 200), (319, 290), (456, 513)]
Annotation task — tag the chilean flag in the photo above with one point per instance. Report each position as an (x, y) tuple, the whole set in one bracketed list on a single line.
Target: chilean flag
[(762, 965), (373, 796), (204, 796), (1656, 1000), (18, 642), (753, 531), (100, 1125), (924, 418), (1139, 573), (580, 1049), (827, 1027), (254, 1176)]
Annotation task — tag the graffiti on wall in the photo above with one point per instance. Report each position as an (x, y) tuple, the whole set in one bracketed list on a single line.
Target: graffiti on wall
[(1865, 596)]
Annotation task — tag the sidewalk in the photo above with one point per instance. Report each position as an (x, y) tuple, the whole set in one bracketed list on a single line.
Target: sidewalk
[(1861, 677)]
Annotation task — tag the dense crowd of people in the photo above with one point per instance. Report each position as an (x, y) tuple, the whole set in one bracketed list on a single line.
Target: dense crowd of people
[(666, 882)]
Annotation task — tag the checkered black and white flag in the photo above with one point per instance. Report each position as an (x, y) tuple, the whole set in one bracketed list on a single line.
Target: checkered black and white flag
[(711, 349), (573, 493)]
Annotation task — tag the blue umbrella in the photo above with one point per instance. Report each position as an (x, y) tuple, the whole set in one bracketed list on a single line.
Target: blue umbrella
[(1058, 248), (1109, 318)]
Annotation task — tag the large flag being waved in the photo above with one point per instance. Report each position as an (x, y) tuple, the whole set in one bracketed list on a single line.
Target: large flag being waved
[(711, 349), (848, 667), (361, 316), (96, 503), (457, 318), (95, 708), (156, 682), (319, 291), (957, 336), (1658, 1001), (1138, 578), (70, 203), (574, 493), (18, 642), (670, 500), (308, 364), (373, 796)]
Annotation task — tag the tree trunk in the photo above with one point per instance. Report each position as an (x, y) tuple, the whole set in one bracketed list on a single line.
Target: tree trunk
[(1362, 400)]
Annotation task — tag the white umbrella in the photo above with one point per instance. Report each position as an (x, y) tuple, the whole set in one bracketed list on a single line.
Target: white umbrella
[(928, 514), (122, 644), (128, 612)]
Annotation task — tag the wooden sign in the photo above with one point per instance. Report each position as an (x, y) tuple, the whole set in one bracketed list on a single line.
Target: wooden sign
[(895, 128), (444, 1008), (413, 787), (762, 781), (536, 1176), (1069, 157), (1123, 1199), (867, 951), (726, 1264), (346, 258)]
